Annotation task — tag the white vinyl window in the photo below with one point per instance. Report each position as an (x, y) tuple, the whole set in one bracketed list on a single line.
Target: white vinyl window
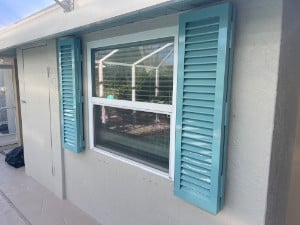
[(131, 100)]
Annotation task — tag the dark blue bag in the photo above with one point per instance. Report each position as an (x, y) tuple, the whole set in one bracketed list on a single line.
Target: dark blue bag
[(15, 157)]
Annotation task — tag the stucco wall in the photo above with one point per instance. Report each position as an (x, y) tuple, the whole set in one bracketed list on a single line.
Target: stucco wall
[(283, 195), (115, 192)]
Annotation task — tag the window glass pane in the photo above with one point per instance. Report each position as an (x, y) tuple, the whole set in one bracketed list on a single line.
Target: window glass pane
[(149, 64), (142, 136), (7, 103)]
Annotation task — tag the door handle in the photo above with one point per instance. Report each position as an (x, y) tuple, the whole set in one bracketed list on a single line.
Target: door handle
[(23, 101)]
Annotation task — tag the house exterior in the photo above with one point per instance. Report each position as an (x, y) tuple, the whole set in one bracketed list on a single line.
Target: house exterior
[(125, 109)]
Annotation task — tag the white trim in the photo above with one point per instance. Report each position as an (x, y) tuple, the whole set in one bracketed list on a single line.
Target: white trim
[(174, 103), (131, 38), (133, 83), (151, 107), (140, 106), (90, 105)]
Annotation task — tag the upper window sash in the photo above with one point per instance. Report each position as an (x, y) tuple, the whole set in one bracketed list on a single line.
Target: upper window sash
[(139, 71)]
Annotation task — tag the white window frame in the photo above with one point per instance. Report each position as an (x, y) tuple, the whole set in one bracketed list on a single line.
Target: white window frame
[(142, 106)]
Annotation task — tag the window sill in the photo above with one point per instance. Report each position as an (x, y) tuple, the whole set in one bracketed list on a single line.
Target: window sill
[(133, 163)]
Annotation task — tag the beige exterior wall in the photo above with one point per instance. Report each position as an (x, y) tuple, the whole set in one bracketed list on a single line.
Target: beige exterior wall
[(115, 192)]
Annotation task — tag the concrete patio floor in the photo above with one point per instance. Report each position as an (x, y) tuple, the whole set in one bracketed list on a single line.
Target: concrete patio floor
[(25, 202)]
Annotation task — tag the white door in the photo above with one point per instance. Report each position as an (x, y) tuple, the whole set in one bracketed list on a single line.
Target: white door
[(35, 111)]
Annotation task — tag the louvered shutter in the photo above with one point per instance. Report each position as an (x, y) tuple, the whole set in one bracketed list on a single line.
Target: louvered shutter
[(69, 55), (205, 38)]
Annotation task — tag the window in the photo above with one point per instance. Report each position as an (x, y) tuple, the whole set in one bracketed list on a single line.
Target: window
[(132, 111), (132, 89)]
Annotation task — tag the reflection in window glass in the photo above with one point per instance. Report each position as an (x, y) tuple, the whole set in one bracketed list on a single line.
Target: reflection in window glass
[(140, 72), (7, 103), (142, 136)]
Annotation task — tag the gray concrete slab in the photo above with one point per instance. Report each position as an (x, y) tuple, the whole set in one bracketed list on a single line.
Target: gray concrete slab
[(25, 202), (8, 215)]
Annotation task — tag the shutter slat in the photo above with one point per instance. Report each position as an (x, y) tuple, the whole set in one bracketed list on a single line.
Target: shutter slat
[(197, 109), (200, 74), (200, 68), (202, 38), (205, 103), (202, 23), (202, 30), (202, 98), (206, 167), (70, 89), (191, 168), (201, 45), (187, 187), (199, 96), (199, 82), (196, 149), (194, 34), (191, 89), (197, 116), (199, 157), (203, 180), (195, 181), (198, 130), (195, 122), (199, 61), (209, 28), (197, 143), (203, 53), (189, 133)]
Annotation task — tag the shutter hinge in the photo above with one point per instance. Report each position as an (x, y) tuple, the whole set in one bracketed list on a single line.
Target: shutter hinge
[(53, 171), (80, 99), (222, 185), (221, 189), (48, 71), (226, 114), (232, 25), (78, 55), (231, 36), (82, 143)]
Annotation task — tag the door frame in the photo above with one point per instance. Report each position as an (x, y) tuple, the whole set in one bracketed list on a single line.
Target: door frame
[(58, 186), (10, 63)]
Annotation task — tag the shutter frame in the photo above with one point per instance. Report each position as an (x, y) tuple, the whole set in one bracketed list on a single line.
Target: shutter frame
[(213, 200), (71, 99)]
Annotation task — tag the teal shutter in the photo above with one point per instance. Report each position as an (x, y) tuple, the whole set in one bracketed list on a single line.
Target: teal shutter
[(69, 56), (203, 93)]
